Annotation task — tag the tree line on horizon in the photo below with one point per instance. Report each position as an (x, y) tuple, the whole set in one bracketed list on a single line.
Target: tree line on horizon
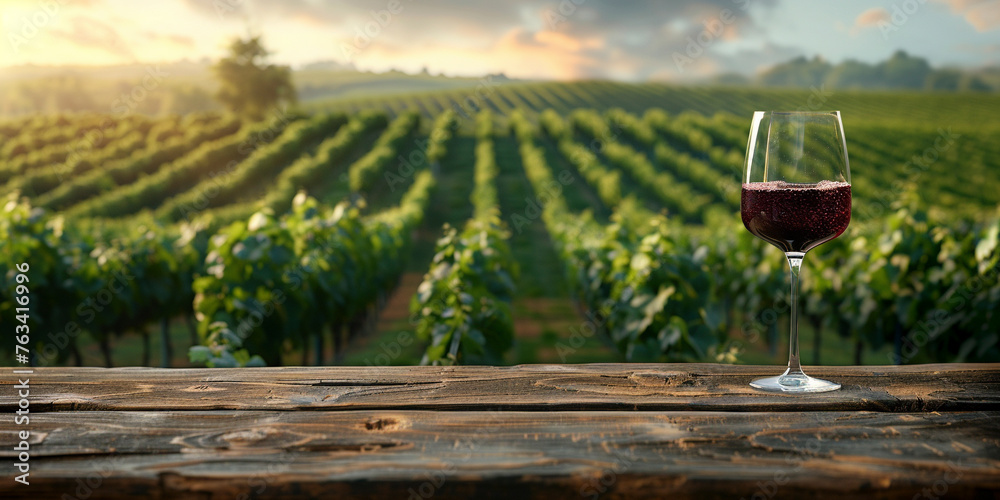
[(244, 81), (900, 71)]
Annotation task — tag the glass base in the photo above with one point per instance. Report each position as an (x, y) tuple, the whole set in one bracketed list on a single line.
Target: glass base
[(794, 383)]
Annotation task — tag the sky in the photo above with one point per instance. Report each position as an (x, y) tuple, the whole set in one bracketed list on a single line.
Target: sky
[(536, 39)]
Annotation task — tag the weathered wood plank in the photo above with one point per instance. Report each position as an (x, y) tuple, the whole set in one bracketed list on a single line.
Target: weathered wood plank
[(665, 387), (610, 454)]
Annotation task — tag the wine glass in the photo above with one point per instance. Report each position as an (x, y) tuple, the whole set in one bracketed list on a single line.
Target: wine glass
[(796, 195)]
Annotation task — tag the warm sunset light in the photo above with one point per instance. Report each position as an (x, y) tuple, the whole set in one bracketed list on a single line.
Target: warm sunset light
[(525, 39)]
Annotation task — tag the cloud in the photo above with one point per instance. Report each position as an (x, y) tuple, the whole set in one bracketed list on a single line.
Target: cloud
[(579, 38), (871, 18), (89, 32), (983, 15)]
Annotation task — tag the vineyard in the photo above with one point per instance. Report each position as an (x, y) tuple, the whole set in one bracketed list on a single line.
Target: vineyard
[(599, 217)]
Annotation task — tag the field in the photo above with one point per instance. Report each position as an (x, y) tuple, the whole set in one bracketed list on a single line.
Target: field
[(506, 223)]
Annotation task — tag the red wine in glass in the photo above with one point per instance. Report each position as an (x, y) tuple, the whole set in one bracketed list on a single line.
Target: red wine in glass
[(796, 217), (796, 196)]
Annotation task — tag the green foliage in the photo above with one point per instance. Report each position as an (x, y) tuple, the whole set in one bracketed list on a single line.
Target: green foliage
[(651, 293), (463, 304), (223, 349), (47, 138), (654, 294), (929, 288), (445, 126), (265, 162), (919, 275), (67, 150), (92, 156), (882, 107), (631, 126), (304, 172), (87, 279), (269, 281), (143, 162), (368, 169), (182, 173), (606, 182), (484, 192), (32, 238)]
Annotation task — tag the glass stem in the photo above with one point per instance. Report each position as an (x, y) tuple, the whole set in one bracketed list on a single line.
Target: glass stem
[(794, 372)]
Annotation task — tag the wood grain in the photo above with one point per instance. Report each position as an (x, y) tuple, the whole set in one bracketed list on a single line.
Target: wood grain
[(664, 387), (541, 431), (383, 454)]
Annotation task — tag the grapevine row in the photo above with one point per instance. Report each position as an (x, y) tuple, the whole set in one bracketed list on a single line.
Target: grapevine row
[(676, 195), (365, 171), (42, 180), (271, 280), (647, 290), (128, 170), (263, 164), (306, 171), (462, 307), (180, 174), (606, 182)]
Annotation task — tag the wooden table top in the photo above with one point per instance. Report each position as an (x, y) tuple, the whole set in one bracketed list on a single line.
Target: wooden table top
[(546, 431)]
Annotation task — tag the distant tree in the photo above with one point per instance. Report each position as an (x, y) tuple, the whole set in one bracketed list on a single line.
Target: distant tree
[(854, 74), (904, 71), (900, 71), (248, 85), (734, 79), (974, 83), (799, 72), (943, 79)]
